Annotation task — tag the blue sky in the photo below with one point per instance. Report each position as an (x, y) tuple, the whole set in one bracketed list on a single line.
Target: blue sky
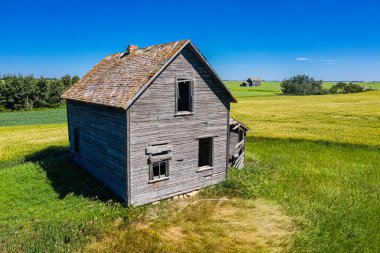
[(330, 40)]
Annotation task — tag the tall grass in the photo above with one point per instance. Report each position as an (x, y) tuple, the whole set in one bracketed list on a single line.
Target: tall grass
[(317, 157), (16, 142), (346, 118), (331, 189)]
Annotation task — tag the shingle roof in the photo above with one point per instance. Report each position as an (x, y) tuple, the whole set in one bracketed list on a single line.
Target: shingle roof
[(116, 79)]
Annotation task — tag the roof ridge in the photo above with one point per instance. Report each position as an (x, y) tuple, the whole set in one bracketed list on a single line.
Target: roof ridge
[(118, 81), (157, 45)]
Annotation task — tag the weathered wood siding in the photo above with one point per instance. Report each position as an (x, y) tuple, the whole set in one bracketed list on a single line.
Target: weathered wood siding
[(152, 119), (102, 142), (234, 140)]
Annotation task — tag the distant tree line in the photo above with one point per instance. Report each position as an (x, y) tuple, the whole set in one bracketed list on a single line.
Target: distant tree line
[(26, 92), (344, 88), (305, 85)]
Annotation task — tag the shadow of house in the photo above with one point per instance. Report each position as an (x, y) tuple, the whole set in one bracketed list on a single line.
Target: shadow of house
[(68, 178)]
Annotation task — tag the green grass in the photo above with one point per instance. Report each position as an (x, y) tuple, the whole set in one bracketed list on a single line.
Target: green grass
[(313, 161), (273, 88), (48, 204), (319, 157), (33, 117), (331, 189), (265, 90)]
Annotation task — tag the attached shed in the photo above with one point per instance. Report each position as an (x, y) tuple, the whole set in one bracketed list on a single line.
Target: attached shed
[(151, 123), (238, 133)]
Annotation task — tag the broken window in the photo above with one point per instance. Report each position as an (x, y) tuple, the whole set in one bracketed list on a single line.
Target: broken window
[(76, 140), (159, 170), (159, 156), (184, 95), (205, 155)]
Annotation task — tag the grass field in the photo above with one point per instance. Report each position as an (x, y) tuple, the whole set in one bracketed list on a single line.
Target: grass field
[(311, 184), (274, 88), (35, 117)]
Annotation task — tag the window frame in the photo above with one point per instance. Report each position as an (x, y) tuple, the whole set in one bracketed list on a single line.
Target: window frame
[(206, 167), (152, 179), (191, 96)]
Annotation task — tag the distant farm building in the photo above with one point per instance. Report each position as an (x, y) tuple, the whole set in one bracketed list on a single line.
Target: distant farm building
[(252, 81), (153, 123)]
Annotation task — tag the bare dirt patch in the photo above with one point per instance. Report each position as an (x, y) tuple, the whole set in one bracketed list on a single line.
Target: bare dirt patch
[(233, 225), (256, 224)]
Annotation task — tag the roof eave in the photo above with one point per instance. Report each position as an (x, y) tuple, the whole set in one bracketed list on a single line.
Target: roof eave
[(93, 103)]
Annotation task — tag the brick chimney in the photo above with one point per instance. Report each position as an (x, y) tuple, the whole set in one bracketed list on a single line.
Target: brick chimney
[(132, 48)]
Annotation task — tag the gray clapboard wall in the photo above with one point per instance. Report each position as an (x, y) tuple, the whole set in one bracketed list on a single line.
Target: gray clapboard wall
[(102, 142), (234, 140), (152, 120)]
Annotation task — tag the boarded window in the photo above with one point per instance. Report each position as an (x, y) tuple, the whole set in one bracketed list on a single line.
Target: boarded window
[(159, 170), (184, 95), (205, 155), (76, 140), (159, 156)]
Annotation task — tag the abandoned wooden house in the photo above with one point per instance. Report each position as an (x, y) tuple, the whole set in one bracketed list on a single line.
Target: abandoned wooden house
[(153, 123), (252, 81)]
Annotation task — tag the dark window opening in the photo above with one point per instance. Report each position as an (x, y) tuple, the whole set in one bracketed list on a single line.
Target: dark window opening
[(159, 170), (205, 155), (76, 139), (184, 95)]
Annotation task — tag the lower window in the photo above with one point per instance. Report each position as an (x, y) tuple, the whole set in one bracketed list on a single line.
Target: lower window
[(205, 152), (159, 170)]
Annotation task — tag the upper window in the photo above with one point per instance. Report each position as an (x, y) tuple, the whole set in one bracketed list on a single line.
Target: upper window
[(205, 155), (184, 95)]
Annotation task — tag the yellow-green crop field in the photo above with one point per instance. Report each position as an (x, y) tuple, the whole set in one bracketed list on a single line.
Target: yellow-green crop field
[(346, 118), (311, 184)]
